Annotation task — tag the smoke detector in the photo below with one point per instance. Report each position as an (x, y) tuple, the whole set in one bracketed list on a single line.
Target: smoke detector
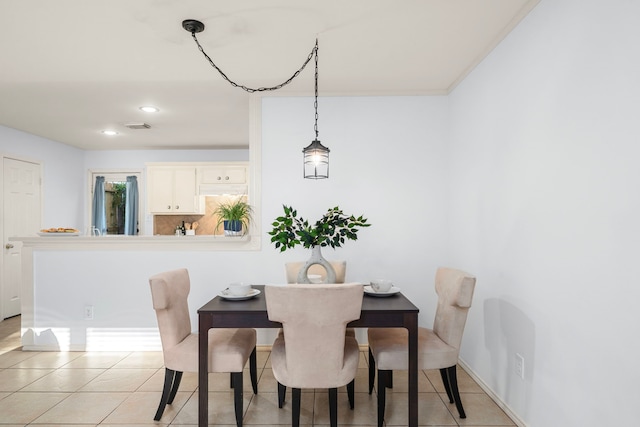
[(138, 126)]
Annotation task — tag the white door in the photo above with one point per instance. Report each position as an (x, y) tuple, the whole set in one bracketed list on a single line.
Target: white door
[(21, 217)]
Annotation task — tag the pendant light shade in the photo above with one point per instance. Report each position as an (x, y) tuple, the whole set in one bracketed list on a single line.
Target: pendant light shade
[(316, 161)]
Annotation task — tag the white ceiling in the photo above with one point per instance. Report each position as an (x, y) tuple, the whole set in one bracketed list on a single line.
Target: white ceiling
[(71, 68)]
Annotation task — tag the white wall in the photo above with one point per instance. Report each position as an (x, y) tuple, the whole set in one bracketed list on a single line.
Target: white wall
[(137, 158), (386, 163), (543, 202), (63, 174)]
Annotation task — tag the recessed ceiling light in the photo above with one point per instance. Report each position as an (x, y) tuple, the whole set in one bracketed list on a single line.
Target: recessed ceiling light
[(149, 109), (109, 132)]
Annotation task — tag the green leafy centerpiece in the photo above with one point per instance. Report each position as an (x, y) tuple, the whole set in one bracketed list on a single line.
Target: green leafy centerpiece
[(333, 229)]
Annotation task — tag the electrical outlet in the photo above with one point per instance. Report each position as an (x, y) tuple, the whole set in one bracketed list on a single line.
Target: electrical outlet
[(88, 312), (519, 366)]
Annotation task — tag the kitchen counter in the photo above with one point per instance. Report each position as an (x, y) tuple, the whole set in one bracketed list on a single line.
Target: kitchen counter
[(121, 242)]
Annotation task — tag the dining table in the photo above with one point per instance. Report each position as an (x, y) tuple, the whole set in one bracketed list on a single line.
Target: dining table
[(377, 312)]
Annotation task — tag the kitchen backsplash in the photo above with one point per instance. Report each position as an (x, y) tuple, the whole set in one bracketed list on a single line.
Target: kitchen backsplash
[(166, 224)]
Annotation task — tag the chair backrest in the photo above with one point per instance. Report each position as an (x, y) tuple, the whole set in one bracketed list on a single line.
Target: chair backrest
[(293, 268), (455, 292), (314, 318), (169, 292)]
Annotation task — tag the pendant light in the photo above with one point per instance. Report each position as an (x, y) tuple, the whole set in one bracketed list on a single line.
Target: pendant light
[(315, 155)]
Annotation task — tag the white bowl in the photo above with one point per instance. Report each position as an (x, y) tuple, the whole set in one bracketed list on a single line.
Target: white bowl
[(381, 285), (239, 289)]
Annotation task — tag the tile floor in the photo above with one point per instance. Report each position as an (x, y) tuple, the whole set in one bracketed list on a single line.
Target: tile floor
[(123, 389)]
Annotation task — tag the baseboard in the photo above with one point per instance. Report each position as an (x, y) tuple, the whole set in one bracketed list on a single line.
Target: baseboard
[(492, 394)]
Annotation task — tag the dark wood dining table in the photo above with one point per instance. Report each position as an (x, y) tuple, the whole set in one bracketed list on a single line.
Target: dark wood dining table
[(377, 312)]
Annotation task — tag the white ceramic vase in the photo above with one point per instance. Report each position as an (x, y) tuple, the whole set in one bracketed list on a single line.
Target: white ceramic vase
[(316, 258)]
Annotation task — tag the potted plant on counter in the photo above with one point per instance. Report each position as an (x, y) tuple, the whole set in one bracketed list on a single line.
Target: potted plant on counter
[(333, 229), (235, 216)]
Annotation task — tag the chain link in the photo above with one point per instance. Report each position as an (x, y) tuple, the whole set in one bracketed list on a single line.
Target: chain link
[(263, 89), (315, 103)]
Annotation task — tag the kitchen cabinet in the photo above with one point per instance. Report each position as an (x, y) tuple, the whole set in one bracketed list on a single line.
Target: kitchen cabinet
[(172, 190), (223, 174)]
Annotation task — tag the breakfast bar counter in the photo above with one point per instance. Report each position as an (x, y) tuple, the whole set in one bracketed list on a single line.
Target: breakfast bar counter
[(91, 293)]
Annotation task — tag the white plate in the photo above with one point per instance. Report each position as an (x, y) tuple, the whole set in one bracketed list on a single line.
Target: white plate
[(226, 295), (58, 234), (369, 291)]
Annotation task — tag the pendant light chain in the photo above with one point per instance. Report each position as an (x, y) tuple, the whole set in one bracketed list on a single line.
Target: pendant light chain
[(315, 155), (314, 51), (315, 103)]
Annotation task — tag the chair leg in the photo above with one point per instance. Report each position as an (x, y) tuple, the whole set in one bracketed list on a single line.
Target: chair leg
[(372, 370), (174, 389), (282, 391), (333, 407), (383, 377), (236, 378), (295, 410), (445, 381), (372, 373), (453, 381), (253, 370), (166, 392), (351, 393)]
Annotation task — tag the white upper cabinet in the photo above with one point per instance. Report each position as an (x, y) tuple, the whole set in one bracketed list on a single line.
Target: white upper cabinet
[(223, 174), (179, 188), (172, 190)]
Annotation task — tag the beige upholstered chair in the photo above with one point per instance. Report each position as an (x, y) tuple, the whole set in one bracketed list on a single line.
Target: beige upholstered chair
[(314, 351), (229, 349), (293, 268), (438, 348)]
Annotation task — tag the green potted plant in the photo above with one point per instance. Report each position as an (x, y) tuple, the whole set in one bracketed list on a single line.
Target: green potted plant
[(117, 205), (333, 229), (235, 216)]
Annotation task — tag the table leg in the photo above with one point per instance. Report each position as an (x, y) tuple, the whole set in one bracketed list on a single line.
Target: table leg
[(411, 323), (203, 368)]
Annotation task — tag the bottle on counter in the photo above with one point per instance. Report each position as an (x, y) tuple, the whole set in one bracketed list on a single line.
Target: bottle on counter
[(183, 229)]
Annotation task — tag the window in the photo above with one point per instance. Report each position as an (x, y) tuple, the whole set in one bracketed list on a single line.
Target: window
[(117, 210)]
